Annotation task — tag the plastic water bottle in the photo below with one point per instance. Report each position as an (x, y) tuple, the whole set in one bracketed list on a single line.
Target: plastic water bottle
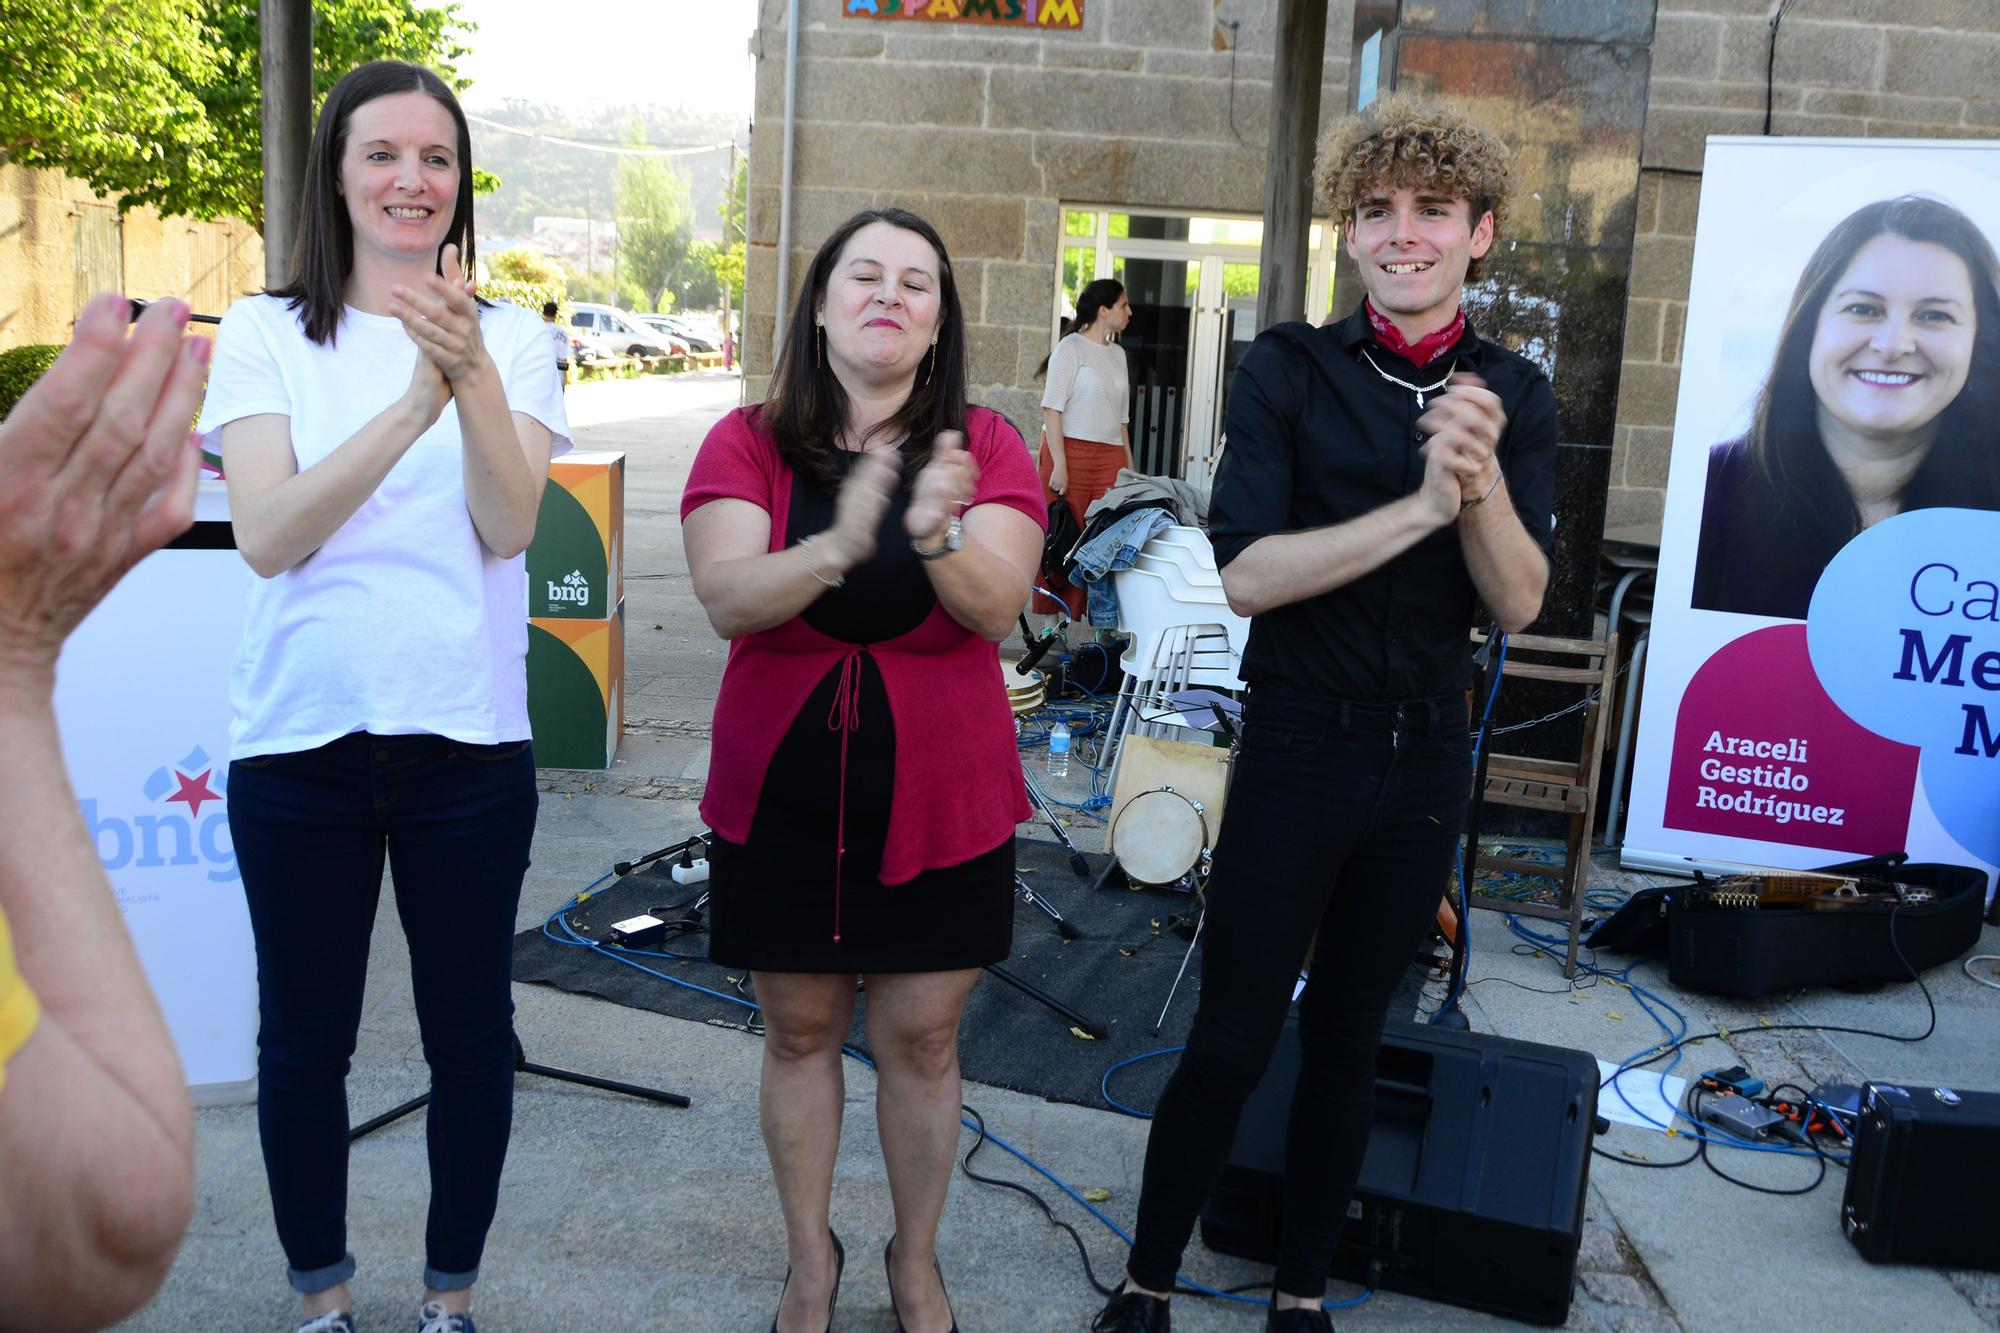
[(1059, 750)]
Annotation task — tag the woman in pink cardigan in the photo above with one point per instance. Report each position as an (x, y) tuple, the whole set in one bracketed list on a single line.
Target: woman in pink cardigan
[(864, 540)]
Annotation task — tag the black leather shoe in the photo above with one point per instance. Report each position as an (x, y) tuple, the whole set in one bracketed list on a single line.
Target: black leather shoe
[(889, 1273), (1133, 1312), (839, 1265), (1299, 1320)]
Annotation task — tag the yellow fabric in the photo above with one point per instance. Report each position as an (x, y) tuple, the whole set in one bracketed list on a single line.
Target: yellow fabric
[(19, 1010)]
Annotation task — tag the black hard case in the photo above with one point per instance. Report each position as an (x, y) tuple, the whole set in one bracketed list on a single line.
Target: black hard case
[(1763, 950), (1472, 1190), (1924, 1183)]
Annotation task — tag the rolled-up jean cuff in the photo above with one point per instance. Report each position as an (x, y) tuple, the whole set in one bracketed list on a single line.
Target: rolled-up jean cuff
[(319, 1279), (436, 1281)]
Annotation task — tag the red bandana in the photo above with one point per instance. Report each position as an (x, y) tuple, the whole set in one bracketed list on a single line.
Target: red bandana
[(1425, 349)]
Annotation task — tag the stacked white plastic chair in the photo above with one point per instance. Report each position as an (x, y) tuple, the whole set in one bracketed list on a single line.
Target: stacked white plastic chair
[(1182, 632)]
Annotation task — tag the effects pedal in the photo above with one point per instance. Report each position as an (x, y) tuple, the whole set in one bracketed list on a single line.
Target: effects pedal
[(1734, 1079), (1739, 1115)]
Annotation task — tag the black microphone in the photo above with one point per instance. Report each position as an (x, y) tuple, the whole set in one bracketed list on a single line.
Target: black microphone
[(1035, 654), (139, 308)]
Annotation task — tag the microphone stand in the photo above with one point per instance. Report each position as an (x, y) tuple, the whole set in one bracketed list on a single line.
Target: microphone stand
[(523, 1065)]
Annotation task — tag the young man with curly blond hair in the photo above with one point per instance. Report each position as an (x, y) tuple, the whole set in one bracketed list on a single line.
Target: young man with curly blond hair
[(1385, 474)]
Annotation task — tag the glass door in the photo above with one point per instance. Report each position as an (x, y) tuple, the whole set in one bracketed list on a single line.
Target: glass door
[(1193, 283), (1159, 346)]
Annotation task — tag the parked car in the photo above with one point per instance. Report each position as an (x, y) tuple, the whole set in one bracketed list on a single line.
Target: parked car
[(681, 346), (685, 330), (622, 332), (587, 346)]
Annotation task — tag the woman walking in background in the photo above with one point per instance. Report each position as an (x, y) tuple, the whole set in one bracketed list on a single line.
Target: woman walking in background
[(386, 438), (863, 539), (1086, 409)]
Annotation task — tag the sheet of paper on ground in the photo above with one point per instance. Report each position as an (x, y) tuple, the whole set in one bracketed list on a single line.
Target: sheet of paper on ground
[(1638, 1091)]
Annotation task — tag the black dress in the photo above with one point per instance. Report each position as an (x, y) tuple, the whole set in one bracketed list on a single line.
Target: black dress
[(772, 900)]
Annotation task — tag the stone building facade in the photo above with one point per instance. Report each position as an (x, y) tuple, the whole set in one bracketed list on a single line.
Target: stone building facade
[(61, 245), (1001, 135), (993, 133)]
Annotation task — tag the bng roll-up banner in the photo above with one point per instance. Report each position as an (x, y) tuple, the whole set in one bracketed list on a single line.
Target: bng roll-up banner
[(1822, 681)]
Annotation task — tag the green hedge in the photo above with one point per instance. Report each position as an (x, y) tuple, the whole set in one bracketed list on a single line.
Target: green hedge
[(20, 367)]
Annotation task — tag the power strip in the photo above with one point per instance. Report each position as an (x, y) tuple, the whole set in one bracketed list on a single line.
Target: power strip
[(691, 874)]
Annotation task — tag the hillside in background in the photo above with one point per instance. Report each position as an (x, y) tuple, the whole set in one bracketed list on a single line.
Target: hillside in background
[(545, 179)]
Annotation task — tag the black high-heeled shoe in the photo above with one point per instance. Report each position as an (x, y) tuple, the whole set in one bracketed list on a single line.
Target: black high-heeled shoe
[(839, 1265), (889, 1272)]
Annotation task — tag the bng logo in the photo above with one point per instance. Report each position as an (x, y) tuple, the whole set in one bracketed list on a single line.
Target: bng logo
[(573, 588), (183, 822)]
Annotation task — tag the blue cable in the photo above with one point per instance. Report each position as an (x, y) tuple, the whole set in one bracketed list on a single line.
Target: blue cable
[(1104, 1084), (1120, 1232), (1713, 1135), (614, 954)]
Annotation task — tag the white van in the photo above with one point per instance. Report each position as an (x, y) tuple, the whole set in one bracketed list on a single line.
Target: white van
[(618, 331)]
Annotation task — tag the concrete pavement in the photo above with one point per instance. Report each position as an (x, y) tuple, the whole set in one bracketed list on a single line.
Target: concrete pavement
[(617, 1214)]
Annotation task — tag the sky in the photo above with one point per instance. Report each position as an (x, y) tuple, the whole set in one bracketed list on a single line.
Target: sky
[(691, 53)]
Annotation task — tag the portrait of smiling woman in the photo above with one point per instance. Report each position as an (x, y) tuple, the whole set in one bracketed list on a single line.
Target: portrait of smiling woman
[(1882, 398)]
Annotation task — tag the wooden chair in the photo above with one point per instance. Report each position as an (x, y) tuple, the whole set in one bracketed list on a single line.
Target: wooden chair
[(1564, 787)]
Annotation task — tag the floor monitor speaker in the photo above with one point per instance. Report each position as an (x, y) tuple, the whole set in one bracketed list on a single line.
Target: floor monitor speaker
[(1473, 1188)]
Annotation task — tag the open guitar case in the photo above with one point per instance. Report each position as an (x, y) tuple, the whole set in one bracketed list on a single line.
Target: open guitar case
[(1754, 951)]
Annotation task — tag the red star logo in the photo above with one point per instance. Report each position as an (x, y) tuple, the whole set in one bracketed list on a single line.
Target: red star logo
[(194, 791)]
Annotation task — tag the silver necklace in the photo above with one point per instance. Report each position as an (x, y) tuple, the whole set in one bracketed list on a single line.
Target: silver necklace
[(1418, 389)]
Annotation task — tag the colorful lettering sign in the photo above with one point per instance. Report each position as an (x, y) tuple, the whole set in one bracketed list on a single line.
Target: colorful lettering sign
[(1008, 13)]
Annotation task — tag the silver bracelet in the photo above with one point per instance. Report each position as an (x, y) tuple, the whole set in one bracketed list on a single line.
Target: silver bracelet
[(805, 549)]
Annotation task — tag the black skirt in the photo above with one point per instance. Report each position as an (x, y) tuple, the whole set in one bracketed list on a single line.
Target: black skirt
[(773, 902)]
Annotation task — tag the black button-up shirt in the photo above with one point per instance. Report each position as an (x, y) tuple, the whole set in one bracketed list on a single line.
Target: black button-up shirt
[(1316, 436)]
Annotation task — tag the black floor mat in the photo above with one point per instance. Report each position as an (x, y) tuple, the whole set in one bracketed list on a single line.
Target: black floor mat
[(1117, 976)]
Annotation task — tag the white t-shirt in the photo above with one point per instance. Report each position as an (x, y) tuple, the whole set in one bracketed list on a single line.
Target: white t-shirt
[(561, 336), (403, 621), (1088, 384)]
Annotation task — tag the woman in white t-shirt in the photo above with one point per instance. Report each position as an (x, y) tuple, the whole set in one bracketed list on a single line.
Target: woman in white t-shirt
[(386, 439), (1085, 410)]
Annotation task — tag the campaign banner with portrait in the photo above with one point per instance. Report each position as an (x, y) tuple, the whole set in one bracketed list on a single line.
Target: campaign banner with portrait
[(1822, 679)]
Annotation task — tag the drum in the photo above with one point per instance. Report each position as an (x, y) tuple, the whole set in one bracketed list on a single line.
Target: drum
[(1161, 838), (1026, 693)]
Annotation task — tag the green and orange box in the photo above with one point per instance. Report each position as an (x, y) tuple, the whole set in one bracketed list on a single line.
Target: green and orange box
[(576, 613)]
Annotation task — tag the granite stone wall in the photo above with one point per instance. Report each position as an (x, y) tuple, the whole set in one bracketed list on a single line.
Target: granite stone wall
[(987, 131)]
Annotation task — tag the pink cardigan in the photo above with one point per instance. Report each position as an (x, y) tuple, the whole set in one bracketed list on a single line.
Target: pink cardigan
[(958, 790)]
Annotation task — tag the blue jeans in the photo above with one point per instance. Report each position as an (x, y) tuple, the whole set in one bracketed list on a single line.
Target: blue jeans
[(311, 830), (1342, 822)]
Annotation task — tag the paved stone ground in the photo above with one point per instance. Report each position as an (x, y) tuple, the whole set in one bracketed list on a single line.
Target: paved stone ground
[(617, 1214)]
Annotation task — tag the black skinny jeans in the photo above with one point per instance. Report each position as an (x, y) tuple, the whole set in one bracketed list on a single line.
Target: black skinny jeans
[(1343, 819), (311, 830)]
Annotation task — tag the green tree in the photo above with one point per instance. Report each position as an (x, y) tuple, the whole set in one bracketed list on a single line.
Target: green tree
[(525, 278), (735, 206), (160, 100), (728, 265), (654, 219), (524, 265), (695, 286), (119, 112)]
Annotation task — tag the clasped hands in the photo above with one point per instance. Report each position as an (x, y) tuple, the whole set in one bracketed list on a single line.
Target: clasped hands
[(1463, 426), (943, 488), (442, 319)]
